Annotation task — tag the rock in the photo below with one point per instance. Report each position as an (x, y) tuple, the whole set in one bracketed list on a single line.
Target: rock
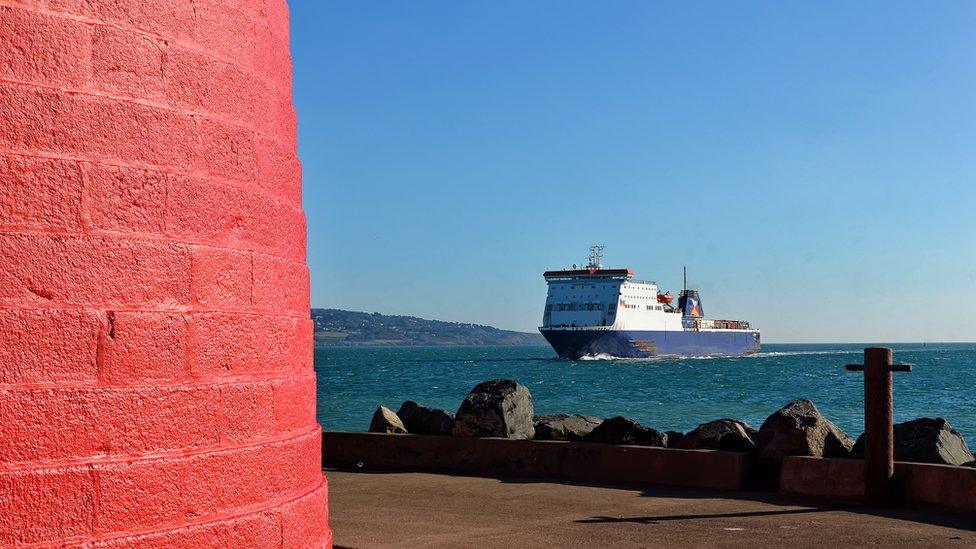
[(798, 429), (564, 426), (926, 440), (674, 437), (421, 420), (385, 421), (622, 430), (721, 434), (497, 408)]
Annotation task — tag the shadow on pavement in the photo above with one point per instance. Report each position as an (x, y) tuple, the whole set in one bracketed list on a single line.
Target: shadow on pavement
[(664, 518), (807, 505)]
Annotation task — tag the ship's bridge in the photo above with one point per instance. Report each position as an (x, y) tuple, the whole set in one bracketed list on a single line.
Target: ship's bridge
[(602, 274), (585, 297)]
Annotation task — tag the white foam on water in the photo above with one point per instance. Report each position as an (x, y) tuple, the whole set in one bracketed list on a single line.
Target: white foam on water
[(767, 354), (598, 356), (801, 353)]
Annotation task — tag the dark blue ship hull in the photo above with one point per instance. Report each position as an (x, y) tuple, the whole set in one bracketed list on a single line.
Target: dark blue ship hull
[(576, 344)]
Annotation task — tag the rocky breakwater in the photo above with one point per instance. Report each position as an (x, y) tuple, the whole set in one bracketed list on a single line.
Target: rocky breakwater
[(495, 432), (503, 408)]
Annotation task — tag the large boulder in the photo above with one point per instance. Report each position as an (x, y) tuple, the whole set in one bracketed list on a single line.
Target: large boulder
[(421, 420), (622, 430), (385, 421), (674, 438), (564, 426), (721, 434), (799, 429), (926, 440), (497, 408)]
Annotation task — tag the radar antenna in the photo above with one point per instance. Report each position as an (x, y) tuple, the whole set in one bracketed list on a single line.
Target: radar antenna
[(596, 257)]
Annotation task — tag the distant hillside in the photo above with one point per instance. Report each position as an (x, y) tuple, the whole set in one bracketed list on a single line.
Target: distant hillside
[(336, 327)]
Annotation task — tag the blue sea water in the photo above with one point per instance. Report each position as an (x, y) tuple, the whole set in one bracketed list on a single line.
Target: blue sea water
[(665, 394)]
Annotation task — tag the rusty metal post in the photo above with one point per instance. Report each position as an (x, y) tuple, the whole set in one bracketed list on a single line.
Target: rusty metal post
[(879, 437)]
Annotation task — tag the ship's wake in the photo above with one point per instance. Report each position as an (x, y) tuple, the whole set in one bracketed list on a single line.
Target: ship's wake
[(766, 354), (604, 356), (598, 356), (802, 353)]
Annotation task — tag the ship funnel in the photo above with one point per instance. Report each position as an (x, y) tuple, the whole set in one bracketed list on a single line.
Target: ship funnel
[(690, 304)]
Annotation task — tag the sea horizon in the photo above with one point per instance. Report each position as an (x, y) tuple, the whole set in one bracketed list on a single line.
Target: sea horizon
[(864, 343)]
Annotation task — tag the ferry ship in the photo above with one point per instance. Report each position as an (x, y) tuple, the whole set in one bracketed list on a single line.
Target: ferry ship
[(606, 313)]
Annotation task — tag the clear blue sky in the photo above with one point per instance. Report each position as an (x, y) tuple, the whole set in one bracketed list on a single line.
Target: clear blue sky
[(813, 163)]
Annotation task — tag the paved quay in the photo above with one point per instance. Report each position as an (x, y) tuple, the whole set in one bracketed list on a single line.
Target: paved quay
[(433, 510)]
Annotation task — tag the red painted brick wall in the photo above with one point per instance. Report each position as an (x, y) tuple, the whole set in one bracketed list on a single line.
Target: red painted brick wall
[(156, 386)]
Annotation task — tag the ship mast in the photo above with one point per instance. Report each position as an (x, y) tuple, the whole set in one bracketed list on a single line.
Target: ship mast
[(596, 257)]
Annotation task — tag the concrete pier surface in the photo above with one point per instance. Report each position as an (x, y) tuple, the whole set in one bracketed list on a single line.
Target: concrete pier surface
[(436, 510)]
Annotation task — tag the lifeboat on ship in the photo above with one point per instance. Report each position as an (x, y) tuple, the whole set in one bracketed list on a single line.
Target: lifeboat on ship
[(665, 298)]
